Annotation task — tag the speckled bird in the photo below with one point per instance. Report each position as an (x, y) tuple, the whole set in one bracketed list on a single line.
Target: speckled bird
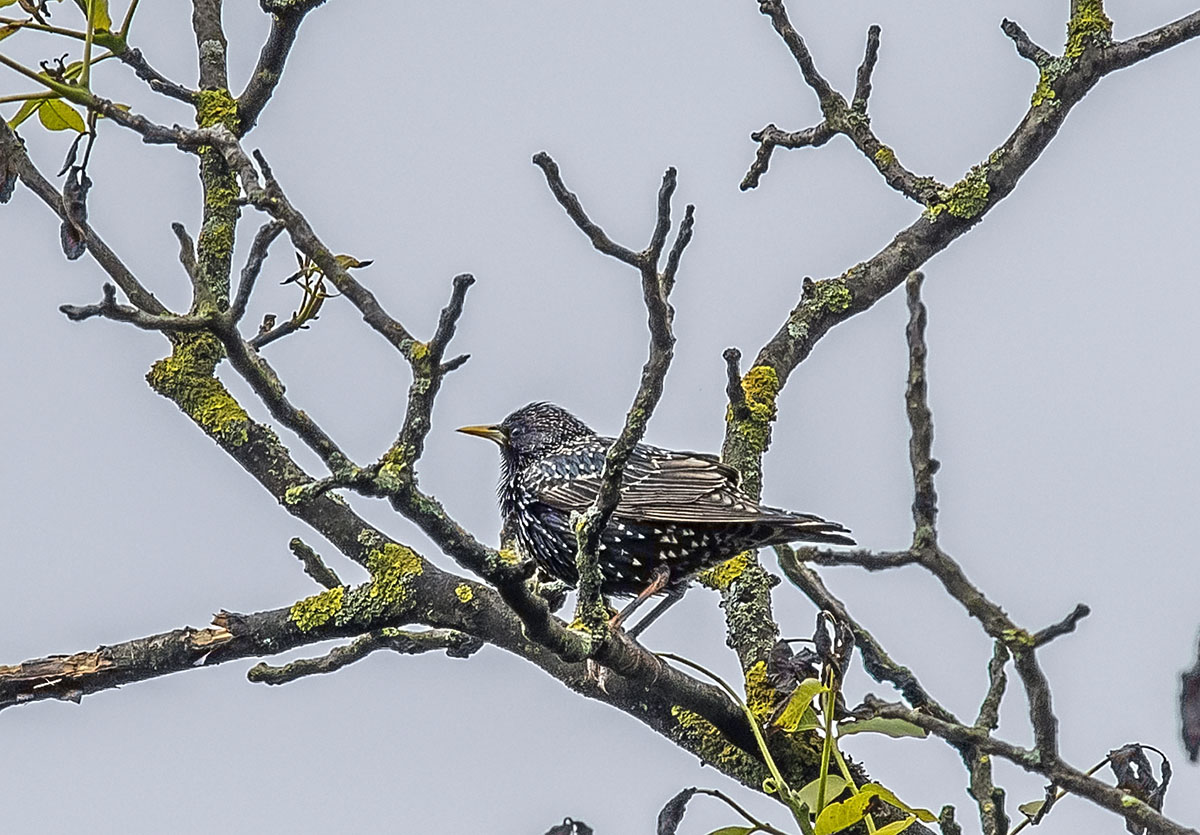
[(679, 512)]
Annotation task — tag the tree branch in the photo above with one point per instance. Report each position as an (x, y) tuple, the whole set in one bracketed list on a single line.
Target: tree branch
[(656, 288), (286, 18), (159, 83), (12, 152), (109, 309), (456, 645), (314, 566)]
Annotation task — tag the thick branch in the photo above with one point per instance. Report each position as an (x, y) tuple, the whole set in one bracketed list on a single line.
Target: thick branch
[(210, 44)]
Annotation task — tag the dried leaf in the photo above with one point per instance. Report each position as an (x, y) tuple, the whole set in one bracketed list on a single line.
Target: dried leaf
[(1031, 809), (1189, 710), (672, 813)]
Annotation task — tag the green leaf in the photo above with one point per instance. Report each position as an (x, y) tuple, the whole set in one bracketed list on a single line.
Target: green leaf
[(885, 794), (733, 830), (25, 112), (896, 827), (101, 22), (896, 728), (793, 714), (4, 3), (5, 31), (834, 785), (837, 816), (56, 114)]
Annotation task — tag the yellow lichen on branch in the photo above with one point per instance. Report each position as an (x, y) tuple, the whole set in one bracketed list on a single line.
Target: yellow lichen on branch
[(187, 378), (317, 610)]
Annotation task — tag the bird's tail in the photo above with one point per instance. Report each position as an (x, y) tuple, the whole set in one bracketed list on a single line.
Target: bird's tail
[(804, 527)]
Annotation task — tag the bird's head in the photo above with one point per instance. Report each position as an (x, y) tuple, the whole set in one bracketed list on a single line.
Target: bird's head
[(533, 431)]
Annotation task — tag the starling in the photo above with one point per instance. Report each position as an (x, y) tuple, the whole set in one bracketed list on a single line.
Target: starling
[(679, 512)]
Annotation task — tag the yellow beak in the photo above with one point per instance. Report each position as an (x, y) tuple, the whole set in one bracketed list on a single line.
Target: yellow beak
[(492, 433)]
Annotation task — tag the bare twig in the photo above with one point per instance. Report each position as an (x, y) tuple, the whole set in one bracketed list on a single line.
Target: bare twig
[(733, 384), (920, 420), (187, 251), (1026, 48), (456, 645), (1071, 779), (862, 82), (108, 308), (286, 18), (1067, 624), (157, 81), (314, 566), (254, 261)]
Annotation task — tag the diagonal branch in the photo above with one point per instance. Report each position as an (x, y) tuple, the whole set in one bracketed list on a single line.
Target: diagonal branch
[(849, 120), (158, 82), (286, 18), (1076, 782), (254, 261), (12, 151)]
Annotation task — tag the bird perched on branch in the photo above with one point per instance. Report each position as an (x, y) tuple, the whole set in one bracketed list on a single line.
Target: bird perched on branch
[(678, 514)]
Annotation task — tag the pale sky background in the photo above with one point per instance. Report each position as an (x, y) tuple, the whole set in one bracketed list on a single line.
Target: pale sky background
[(1063, 377)]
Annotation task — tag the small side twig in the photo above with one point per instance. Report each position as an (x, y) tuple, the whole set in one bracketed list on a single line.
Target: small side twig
[(1067, 624), (838, 116), (187, 250), (254, 261), (1026, 48), (733, 384), (108, 308), (158, 82), (456, 644), (286, 18), (862, 82), (314, 566)]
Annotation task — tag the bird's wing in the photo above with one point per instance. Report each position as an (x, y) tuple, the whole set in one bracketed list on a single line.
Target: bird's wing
[(662, 486)]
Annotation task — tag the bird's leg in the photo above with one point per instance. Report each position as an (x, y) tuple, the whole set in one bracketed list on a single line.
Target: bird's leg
[(660, 577), (674, 595)]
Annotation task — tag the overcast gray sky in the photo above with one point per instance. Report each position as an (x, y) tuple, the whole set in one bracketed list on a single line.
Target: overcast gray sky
[(1063, 377)]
